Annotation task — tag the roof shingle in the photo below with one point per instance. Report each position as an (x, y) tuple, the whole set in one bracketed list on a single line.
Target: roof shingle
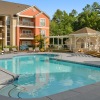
[(9, 8), (85, 30)]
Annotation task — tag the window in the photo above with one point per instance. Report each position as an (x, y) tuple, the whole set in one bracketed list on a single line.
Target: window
[(8, 21), (8, 43), (42, 22), (43, 32)]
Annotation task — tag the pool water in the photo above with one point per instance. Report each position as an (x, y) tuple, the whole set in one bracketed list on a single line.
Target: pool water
[(41, 76)]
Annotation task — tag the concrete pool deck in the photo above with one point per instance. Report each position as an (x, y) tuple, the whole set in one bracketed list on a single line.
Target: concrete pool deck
[(89, 92)]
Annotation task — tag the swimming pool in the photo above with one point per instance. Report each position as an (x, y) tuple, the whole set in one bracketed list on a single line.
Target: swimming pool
[(41, 76)]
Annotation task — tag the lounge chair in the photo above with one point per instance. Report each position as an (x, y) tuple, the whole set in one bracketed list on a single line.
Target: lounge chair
[(30, 49), (96, 55), (14, 50), (6, 50), (37, 49)]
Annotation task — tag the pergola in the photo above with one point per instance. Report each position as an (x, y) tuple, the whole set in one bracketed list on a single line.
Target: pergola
[(84, 39), (57, 41)]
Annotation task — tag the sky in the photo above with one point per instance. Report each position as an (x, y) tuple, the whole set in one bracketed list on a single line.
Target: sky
[(50, 6)]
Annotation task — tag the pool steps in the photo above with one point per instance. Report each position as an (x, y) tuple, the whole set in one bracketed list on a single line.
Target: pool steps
[(6, 77)]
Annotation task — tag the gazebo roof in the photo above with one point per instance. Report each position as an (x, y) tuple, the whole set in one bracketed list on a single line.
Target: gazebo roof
[(85, 30)]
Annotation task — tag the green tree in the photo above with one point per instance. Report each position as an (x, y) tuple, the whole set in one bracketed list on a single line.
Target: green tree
[(39, 39), (63, 23)]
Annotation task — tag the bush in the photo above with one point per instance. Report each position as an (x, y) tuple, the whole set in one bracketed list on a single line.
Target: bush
[(42, 50)]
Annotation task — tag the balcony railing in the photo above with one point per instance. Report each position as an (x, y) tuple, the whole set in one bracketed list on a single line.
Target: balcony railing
[(1, 35), (1, 23), (26, 35), (26, 23)]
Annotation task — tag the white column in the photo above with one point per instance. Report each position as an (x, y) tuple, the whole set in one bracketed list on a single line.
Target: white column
[(18, 20), (97, 43), (86, 42), (13, 31), (5, 30), (61, 41), (58, 42), (89, 43), (70, 43), (75, 43), (53, 40)]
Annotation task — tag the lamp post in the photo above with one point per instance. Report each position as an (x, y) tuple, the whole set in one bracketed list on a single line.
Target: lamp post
[(2, 40)]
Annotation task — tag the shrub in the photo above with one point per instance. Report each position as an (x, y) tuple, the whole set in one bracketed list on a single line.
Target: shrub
[(42, 50)]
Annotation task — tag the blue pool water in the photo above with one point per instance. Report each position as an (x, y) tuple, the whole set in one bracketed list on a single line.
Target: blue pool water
[(41, 76)]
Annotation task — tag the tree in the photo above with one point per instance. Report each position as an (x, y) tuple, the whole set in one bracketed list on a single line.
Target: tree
[(63, 23), (40, 40), (73, 13)]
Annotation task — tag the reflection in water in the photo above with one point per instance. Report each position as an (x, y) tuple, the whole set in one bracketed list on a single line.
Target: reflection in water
[(40, 76)]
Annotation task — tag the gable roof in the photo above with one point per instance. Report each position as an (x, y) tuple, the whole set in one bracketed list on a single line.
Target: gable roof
[(85, 30), (9, 8)]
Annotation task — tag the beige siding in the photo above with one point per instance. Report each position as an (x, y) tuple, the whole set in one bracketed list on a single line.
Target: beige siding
[(13, 31)]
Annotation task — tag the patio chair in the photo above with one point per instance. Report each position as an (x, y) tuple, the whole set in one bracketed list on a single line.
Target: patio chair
[(37, 49), (96, 55), (14, 50), (6, 50), (30, 49)]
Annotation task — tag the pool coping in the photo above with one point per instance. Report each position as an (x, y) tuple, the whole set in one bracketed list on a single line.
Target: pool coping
[(88, 92)]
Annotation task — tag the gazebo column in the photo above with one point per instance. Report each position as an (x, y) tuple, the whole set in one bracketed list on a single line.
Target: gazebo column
[(97, 43), (89, 42), (70, 43), (86, 43), (75, 43), (61, 41), (58, 42), (53, 41)]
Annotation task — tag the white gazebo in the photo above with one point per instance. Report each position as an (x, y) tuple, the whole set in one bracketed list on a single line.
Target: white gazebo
[(85, 39)]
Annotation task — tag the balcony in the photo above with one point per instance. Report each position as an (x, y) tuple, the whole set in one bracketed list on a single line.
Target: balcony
[(1, 35), (26, 24), (26, 36)]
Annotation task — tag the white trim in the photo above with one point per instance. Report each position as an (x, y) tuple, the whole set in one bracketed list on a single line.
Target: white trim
[(32, 27), (24, 10), (63, 36), (85, 34), (26, 26), (26, 38), (38, 14), (26, 16), (32, 7), (1, 25), (41, 27)]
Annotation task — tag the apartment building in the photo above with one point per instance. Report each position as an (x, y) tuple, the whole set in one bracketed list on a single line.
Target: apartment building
[(20, 23)]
